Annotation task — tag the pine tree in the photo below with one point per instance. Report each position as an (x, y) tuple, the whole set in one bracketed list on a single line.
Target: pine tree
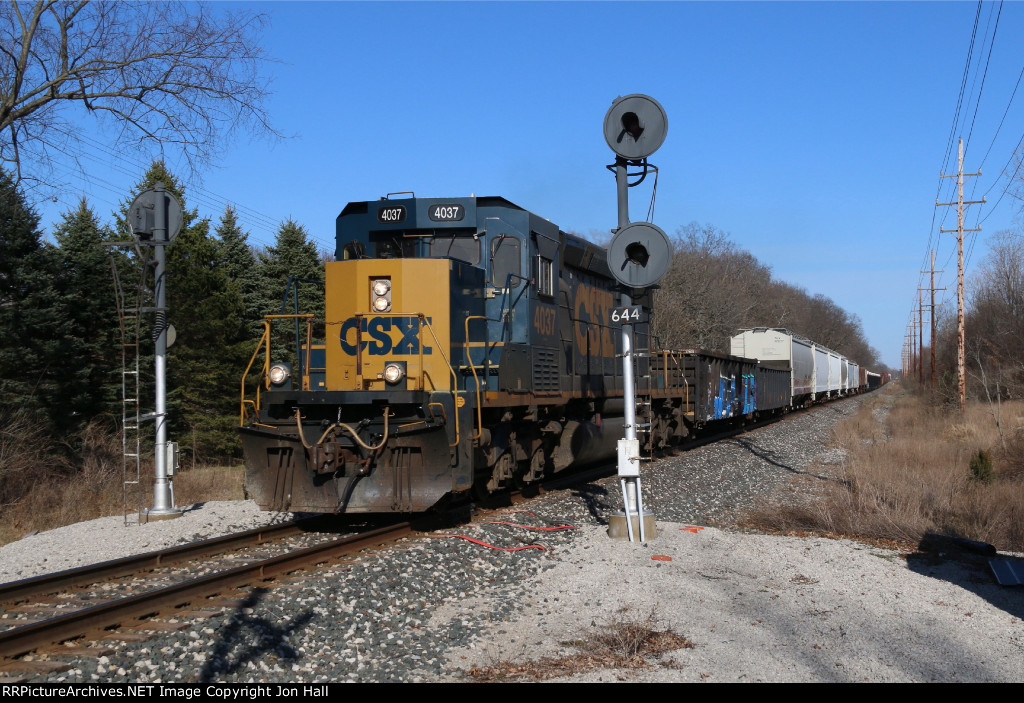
[(88, 384), (28, 326), (207, 360), (239, 263), (293, 257)]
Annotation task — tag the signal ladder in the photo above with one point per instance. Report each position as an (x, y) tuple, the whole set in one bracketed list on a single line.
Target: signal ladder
[(644, 409), (129, 315)]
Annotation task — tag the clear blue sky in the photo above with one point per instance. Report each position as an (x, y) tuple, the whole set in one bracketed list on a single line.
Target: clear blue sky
[(813, 133)]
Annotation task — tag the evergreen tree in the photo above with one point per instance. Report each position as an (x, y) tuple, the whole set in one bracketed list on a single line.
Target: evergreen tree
[(89, 346), (207, 360), (28, 326), (292, 256), (239, 263)]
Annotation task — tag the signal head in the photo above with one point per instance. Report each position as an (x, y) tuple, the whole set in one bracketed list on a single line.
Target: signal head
[(635, 126), (639, 255)]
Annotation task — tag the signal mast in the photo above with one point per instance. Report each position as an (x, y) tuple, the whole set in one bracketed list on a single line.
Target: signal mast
[(638, 256)]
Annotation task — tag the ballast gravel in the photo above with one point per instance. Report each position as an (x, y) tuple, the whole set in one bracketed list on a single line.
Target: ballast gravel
[(433, 608)]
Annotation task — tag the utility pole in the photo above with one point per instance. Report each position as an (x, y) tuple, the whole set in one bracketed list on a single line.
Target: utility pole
[(908, 352), (915, 341), (931, 308), (961, 341), (915, 351), (920, 338)]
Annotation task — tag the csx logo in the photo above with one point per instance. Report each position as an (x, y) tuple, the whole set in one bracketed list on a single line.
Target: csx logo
[(377, 335), (593, 306)]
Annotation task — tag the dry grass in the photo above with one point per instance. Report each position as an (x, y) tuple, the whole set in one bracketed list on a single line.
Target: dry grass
[(626, 641), (205, 483), (907, 472), (41, 490)]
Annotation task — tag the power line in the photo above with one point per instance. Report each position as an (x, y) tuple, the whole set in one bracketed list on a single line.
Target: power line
[(249, 217), (981, 88), (963, 100), (1001, 121), (963, 86)]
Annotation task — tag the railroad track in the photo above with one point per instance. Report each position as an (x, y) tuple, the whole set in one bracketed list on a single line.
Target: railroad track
[(125, 617)]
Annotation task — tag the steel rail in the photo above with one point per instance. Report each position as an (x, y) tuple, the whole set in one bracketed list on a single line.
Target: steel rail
[(15, 591), (82, 623)]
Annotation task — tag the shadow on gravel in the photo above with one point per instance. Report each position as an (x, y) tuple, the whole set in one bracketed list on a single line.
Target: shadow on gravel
[(965, 564), (247, 638), (769, 457), (594, 497)]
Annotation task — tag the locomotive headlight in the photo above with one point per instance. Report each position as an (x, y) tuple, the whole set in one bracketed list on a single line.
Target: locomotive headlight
[(393, 373), (278, 374), (380, 294)]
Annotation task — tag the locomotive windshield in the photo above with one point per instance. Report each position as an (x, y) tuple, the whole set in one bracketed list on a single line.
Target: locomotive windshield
[(395, 247), (465, 248)]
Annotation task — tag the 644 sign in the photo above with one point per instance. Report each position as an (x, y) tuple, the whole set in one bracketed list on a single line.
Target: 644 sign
[(629, 315)]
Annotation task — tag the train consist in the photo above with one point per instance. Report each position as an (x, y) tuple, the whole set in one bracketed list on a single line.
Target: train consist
[(471, 345)]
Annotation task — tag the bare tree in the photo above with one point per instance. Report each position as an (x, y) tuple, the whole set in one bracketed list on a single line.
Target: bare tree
[(712, 288), (995, 320), (161, 73)]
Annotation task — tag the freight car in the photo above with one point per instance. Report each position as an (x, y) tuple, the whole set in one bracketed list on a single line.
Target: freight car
[(816, 372), (471, 345)]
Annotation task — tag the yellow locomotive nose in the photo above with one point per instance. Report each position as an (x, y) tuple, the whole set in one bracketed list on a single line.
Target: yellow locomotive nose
[(388, 323)]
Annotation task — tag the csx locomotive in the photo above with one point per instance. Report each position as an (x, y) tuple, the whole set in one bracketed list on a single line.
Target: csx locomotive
[(469, 345)]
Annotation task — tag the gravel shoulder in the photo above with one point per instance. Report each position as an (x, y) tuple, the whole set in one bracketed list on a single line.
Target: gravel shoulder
[(768, 609), (756, 607)]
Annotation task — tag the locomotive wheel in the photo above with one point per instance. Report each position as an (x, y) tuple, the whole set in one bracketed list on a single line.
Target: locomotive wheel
[(479, 490), (520, 479), (500, 476), (530, 471)]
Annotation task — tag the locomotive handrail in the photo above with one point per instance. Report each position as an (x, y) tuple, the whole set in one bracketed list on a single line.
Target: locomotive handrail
[(472, 368), (455, 378), (256, 403), (265, 339), (309, 351), (506, 293)]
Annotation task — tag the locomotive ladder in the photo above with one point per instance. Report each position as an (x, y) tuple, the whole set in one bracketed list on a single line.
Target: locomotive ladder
[(129, 320)]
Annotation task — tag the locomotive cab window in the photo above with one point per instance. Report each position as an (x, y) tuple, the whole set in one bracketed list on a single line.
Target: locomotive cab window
[(462, 248), (545, 276), (506, 269), (395, 247)]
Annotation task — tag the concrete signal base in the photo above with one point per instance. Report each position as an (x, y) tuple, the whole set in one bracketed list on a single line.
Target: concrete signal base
[(150, 516), (617, 528)]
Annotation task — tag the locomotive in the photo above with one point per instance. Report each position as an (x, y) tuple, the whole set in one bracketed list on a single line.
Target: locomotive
[(470, 345)]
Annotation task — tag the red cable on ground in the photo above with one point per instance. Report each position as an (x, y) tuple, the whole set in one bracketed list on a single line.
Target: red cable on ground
[(491, 546)]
